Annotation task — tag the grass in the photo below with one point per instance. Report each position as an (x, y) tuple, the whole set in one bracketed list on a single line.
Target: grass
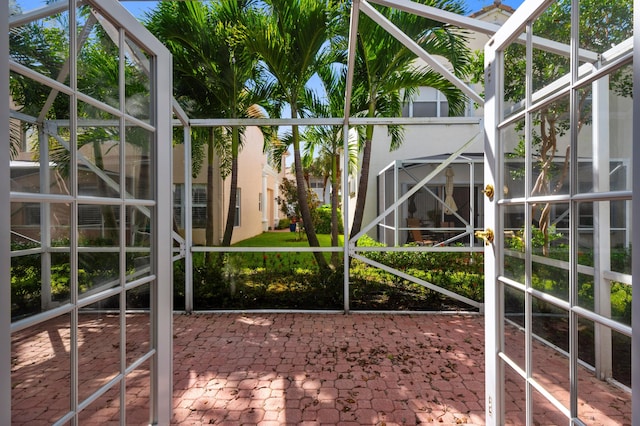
[(285, 239), (282, 261)]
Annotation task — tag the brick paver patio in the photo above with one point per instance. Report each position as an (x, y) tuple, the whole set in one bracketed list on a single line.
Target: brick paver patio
[(298, 369)]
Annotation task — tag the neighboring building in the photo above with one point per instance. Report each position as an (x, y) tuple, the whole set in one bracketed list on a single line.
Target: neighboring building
[(441, 135), (426, 146), (93, 221), (257, 208)]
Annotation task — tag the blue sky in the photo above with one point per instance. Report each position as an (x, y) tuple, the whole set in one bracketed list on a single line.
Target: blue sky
[(137, 7), (475, 5)]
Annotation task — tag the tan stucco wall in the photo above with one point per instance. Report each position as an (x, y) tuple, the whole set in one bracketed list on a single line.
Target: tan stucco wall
[(252, 162)]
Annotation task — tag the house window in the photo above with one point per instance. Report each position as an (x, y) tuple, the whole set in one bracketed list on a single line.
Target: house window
[(32, 214), (178, 204), (260, 202), (429, 103), (89, 215), (198, 205), (238, 197)]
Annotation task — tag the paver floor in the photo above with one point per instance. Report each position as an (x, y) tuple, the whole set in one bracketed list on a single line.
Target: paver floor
[(297, 369), (328, 369)]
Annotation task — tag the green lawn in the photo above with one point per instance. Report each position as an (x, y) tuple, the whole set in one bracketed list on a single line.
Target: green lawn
[(285, 239)]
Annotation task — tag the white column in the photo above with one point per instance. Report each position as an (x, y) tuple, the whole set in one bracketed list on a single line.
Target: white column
[(276, 194), (5, 227), (263, 202), (493, 316), (162, 241), (635, 341), (45, 223), (397, 210), (601, 226), (188, 221)]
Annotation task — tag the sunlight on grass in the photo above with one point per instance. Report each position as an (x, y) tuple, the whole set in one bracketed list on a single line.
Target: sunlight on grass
[(285, 239)]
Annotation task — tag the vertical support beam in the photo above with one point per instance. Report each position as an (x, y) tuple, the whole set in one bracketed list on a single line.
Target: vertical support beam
[(351, 60), (472, 199), (73, 223), (45, 223), (345, 215), (162, 314), (574, 212), (601, 226), (122, 231), (397, 209), (5, 225), (635, 341), (188, 222), (493, 371)]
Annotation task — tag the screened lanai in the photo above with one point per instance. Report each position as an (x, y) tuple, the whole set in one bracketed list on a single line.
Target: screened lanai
[(106, 230), (446, 209)]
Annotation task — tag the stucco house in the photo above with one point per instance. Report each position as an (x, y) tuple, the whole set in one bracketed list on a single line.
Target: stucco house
[(257, 208), (429, 140)]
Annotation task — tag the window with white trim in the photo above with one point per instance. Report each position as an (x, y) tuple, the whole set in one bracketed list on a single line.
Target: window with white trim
[(428, 103), (238, 197), (198, 205)]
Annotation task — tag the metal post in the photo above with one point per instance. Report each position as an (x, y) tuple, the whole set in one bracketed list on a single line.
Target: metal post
[(396, 210), (5, 227), (601, 226), (45, 223), (635, 341), (162, 314), (493, 376), (188, 223)]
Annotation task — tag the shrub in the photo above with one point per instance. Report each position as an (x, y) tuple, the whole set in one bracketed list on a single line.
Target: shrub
[(284, 223), (322, 220)]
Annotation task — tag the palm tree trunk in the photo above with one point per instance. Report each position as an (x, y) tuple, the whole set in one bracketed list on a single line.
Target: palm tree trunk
[(363, 184), (335, 173), (312, 238), (233, 192)]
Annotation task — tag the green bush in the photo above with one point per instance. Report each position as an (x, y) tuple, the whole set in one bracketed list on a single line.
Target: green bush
[(322, 220), (462, 273), (284, 223), (265, 280), (292, 279)]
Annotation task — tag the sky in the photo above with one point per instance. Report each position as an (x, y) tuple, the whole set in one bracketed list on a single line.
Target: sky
[(138, 7)]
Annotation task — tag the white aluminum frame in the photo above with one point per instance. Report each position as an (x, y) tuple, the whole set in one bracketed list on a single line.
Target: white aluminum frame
[(635, 340), (494, 317), (5, 228), (365, 7), (162, 245), (159, 209)]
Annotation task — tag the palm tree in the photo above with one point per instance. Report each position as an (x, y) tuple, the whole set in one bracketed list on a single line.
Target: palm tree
[(327, 142), (15, 137), (291, 38), (213, 71), (385, 76)]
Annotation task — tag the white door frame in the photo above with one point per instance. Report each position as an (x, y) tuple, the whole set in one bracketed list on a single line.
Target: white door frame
[(495, 356), (160, 76)]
